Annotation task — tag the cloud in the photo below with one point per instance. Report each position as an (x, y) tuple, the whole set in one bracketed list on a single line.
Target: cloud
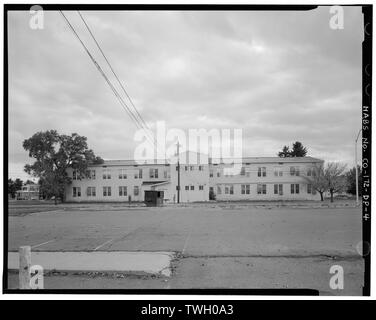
[(280, 76)]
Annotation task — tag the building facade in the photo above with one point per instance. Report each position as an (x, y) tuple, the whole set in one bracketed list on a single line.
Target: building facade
[(28, 192), (264, 178)]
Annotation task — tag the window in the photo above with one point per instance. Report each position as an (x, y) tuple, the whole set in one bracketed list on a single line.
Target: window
[(261, 189), (122, 191), (211, 189), (200, 187), (76, 192), (295, 188), (311, 172), (91, 192), (177, 168), (309, 188), (246, 189), (278, 189), (76, 175), (153, 173), (106, 191), (211, 174), (90, 174), (218, 174), (122, 174), (138, 174), (191, 168), (192, 188), (106, 174), (294, 171), (278, 172), (229, 189), (186, 168), (242, 171), (219, 190), (186, 187), (200, 168), (165, 174), (136, 190), (261, 172)]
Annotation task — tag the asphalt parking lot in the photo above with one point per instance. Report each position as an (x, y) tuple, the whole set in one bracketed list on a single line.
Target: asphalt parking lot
[(215, 247)]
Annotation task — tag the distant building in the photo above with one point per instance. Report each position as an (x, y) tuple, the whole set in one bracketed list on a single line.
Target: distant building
[(260, 178), (28, 192)]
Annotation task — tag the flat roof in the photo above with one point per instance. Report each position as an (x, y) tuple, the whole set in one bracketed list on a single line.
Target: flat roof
[(245, 160)]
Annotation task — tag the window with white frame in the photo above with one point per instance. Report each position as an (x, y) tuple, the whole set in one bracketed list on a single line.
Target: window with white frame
[(261, 188), (106, 191), (76, 175), (187, 188), (76, 192), (200, 187), (90, 174), (192, 188), (295, 188), (153, 173), (278, 172), (261, 172), (294, 171), (246, 189), (106, 174), (91, 192), (123, 174), (229, 189), (278, 189), (123, 191)]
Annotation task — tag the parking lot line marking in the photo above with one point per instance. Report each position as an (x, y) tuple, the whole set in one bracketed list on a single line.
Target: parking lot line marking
[(186, 240), (41, 244), (103, 244)]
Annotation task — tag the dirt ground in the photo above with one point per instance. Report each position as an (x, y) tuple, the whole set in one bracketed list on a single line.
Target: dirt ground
[(217, 246)]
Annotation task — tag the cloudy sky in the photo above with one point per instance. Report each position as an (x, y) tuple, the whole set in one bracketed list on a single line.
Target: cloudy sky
[(279, 76)]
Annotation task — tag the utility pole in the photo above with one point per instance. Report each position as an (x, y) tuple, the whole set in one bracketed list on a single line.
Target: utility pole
[(177, 147), (356, 168)]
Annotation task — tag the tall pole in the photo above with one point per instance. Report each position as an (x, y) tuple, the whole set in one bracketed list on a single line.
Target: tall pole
[(356, 168), (177, 147)]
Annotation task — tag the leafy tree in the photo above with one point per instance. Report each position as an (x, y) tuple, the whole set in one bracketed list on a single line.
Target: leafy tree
[(54, 154), (351, 181), (298, 150), (335, 178), (318, 180), (285, 153), (14, 186)]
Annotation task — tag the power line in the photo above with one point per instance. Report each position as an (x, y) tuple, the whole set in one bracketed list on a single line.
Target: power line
[(118, 79), (113, 71), (123, 104)]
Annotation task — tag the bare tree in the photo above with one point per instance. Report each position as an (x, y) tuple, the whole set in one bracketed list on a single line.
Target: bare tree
[(316, 178), (335, 178)]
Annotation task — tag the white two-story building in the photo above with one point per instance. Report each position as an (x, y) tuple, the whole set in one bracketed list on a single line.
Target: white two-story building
[(259, 178)]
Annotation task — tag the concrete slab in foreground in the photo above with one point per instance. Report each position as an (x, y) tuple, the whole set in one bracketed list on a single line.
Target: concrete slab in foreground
[(148, 262)]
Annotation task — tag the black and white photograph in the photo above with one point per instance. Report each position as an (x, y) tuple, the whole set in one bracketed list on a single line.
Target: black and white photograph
[(170, 149)]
